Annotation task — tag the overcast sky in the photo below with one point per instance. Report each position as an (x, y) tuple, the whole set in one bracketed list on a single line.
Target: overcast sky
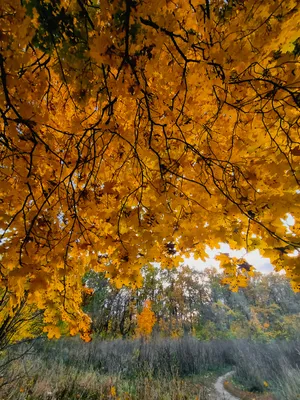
[(254, 258)]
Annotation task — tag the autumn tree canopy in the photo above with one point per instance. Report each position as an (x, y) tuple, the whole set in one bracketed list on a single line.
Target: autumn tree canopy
[(135, 131)]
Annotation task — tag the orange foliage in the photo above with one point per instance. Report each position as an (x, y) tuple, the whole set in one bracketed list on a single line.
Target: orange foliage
[(145, 320), (142, 131)]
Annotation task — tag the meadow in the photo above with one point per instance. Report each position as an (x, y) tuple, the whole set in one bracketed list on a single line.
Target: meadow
[(165, 369)]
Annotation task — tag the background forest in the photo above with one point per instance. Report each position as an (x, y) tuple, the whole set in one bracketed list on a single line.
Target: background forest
[(188, 302)]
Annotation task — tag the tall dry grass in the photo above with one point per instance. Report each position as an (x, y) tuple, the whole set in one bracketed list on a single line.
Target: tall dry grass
[(162, 369)]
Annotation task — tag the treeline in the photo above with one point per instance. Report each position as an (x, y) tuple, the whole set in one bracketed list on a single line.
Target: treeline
[(186, 301)]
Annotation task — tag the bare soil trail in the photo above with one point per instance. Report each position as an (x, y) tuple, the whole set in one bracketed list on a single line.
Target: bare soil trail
[(224, 390), (221, 392)]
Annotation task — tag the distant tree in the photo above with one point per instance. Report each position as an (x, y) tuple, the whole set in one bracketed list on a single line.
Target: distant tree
[(112, 310), (145, 320)]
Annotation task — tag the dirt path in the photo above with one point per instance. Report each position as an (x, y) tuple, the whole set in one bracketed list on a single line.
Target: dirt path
[(222, 393)]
